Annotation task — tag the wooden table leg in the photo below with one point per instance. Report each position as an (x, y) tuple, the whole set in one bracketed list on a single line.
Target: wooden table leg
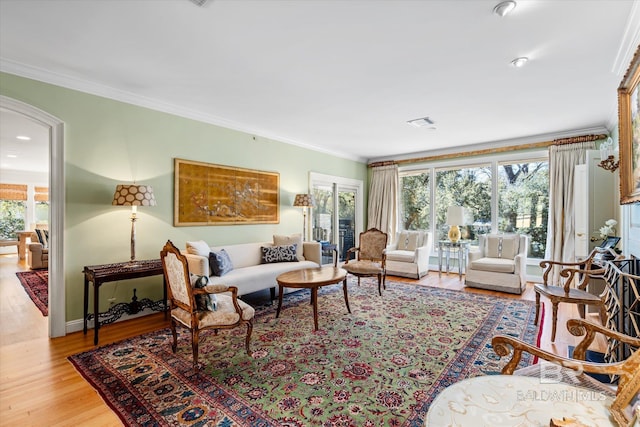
[(346, 298), (86, 304), (96, 317), (314, 298), (279, 300)]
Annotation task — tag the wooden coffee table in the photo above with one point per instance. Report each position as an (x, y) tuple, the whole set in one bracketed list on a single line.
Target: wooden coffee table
[(312, 278)]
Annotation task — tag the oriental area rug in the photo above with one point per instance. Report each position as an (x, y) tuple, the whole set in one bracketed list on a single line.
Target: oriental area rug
[(383, 364), (36, 283)]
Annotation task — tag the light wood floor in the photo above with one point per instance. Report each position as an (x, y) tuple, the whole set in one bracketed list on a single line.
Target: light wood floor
[(39, 387)]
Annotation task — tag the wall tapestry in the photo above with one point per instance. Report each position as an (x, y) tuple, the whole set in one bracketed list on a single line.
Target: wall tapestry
[(209, 194)]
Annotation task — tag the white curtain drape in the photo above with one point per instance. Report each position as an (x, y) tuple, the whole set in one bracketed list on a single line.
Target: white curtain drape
[(561, 226), (383, 199)]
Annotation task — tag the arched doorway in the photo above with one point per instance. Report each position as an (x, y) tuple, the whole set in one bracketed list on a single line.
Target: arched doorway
[(57, 312)]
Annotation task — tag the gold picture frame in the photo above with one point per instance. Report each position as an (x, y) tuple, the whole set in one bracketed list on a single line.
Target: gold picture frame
[(210, 194), (629, 132)]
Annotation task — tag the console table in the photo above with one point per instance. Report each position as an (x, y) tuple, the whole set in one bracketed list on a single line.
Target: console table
[(447, 247), (99, 274)]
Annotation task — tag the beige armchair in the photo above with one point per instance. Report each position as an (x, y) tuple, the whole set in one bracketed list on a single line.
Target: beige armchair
[(409, 255), (499, 264), (37, 256)]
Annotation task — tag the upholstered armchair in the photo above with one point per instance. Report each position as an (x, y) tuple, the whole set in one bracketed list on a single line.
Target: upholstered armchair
[(409, 255), (370, 258), (201, 307), (38, 250), (499, 264)]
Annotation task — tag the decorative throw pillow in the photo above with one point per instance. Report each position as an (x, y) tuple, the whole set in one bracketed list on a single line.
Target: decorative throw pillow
[(43, 237), (220, 263), (294, 239), (199, 247), (503, 246), (207, 302), (284, 253)]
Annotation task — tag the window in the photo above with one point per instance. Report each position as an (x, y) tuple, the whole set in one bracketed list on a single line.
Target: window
[(13, 210), (470, 188), (508, 194), (523, 202), (415, 197)]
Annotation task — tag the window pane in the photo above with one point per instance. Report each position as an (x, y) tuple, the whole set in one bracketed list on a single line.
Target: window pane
[(523, 202), (12, 218), (471, 189), (42, 212), (415, 202)]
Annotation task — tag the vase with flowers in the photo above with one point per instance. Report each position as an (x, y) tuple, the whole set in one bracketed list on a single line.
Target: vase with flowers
[(608, 229)]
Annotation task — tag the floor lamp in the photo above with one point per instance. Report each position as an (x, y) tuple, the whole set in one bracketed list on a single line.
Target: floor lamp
[(304, 201), (133, 195)]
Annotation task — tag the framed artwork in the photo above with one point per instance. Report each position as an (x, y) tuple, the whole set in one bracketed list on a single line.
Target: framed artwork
[(209, 194), (629, 132)]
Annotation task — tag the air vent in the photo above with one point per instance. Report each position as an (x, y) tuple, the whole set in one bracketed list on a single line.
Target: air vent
[(424, 122)]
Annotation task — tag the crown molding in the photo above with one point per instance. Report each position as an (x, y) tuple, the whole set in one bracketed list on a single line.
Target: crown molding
[(97, 89)]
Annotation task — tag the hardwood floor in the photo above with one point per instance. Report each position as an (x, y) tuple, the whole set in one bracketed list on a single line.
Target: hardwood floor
[(39, 387)]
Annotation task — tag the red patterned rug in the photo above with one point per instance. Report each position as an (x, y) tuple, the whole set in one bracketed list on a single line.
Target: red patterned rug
[(36, 283), (381, 365)]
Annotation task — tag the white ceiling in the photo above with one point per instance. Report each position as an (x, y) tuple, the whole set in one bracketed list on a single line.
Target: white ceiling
[(342, 77)]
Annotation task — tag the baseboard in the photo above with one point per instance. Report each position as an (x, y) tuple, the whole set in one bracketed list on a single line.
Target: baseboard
[(78, 325)]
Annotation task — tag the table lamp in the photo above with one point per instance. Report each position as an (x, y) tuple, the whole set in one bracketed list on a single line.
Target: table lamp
[(455, 217), (133, 195), (304, 201)]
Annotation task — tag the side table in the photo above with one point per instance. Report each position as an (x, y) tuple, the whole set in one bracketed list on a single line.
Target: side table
[(99, 274), (447, 247)]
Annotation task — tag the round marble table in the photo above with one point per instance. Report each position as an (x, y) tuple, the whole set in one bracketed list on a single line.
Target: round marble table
[(512, 400)]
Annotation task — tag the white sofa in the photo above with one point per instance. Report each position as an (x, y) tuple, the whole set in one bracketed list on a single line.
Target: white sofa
[(408, 256), (499, 264), (248, 274)]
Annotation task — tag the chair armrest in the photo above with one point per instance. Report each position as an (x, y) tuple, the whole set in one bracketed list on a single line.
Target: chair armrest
[(312, 251), (198, 265), (520, 263), (350, 251), (503, 344), (579, 327), (422, 255), (212, 289), (36, 248)]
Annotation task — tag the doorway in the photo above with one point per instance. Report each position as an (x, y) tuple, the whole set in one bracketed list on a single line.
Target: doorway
[(55, 127), (337, 216)]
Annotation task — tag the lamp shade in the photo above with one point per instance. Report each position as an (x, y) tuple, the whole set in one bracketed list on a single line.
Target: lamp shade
[(455, 215), (304, 200), (133, 195)]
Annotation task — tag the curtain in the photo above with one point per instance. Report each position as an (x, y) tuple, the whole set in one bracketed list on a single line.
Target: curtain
[(560, 228), (383, 199)]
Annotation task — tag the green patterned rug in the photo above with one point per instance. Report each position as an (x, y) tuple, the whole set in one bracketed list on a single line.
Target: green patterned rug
[(381, 365)]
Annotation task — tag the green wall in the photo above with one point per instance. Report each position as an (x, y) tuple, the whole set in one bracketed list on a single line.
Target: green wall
[(109, 142)]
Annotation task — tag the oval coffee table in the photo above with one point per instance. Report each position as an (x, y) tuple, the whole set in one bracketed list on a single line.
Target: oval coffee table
[(312, 278)]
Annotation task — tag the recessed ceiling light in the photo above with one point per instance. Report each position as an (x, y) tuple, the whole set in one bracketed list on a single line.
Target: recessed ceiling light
[(424, 122), (12, 156), (519, 62), (504, 8), (23, 138)]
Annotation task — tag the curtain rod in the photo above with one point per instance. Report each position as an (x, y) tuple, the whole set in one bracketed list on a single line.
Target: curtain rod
[(542, 144)]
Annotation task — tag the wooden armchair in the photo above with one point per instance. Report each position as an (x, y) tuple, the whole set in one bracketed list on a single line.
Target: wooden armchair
[(576, 276), (628, 371), (229, 312), (371, 257)]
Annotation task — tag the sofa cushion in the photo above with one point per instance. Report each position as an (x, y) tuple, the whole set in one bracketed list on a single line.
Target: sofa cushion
[(43, 237), (220, 263), (199, 247), (294, 239), (503, 246), (401, 256), (206, 302), (498, 265), (283, 253)]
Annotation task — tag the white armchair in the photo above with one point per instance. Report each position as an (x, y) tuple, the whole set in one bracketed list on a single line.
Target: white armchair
[(499, 264), (408, 256)]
